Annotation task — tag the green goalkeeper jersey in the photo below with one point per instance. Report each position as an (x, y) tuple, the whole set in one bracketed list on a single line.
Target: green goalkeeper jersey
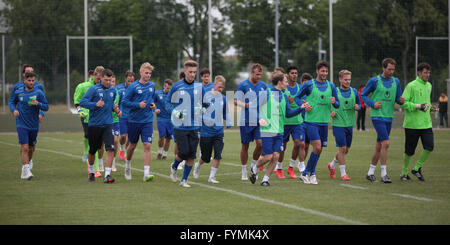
[(417, 92), (80, 90)]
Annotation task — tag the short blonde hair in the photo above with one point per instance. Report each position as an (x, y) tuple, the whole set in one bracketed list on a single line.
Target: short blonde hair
[(190, 63), (342, 73), (219, 79), (146, 65), (99, 70)]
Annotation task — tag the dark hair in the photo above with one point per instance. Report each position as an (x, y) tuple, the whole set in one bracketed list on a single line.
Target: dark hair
[(321, 64), (306, 76), (204, 71), (129, 73), (90, 72), (256, 66), (168, 81), (181, 75), (25, 66), (422, 66), (388, 61), (29, 74), (107, 72), (291, 68)]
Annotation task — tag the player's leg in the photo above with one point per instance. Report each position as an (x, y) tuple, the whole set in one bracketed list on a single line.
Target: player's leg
[(191, 152), (146, 137), (108, 144), (95, 143), (411, 140), (206, 148), (426, 136)]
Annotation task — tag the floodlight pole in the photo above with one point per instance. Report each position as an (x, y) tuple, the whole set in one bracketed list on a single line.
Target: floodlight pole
[(85, 39), (210, 39), (3, 74), (68, 74), (331, 39), (276, 32)]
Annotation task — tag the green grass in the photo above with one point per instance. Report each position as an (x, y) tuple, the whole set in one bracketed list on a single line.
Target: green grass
[(61, 194)]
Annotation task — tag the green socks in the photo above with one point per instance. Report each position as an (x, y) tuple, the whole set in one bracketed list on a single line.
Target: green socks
[(422, 159), (86, 146), (406, 161)]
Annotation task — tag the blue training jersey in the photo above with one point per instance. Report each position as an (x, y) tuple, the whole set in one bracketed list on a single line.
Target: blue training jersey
[(99, 116), (372, 85), (185, 102), (137, 92), (208, 87), (20, 86), (29, 114), (160, 101), (249, 93), (215, 114), (121, 89)]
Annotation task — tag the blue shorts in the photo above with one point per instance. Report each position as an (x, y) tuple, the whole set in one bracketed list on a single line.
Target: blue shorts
[(307, 141), (317, 132), (249, 134), (116, 129), (145, 130), (27, 136), (123, 125), (383, 129), (272, 144), (343, 136), (297, 132), (165, 129)]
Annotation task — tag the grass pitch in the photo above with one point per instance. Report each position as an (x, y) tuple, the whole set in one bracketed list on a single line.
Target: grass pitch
[(61, 194)]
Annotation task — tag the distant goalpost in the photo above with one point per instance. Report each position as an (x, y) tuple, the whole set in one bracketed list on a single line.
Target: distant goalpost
[(68, 38)]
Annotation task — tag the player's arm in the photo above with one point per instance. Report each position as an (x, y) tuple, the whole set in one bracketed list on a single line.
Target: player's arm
[(369, 88), (398, 97), (289, 111), (336, 103), (42, 102), (86, 100), (128, 98), (358, 101)]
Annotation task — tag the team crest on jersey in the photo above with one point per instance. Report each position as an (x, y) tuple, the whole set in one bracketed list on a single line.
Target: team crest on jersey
[(150, 89), (387, 94), (100, 94), (139, 91), (111, 94), (21, 98)]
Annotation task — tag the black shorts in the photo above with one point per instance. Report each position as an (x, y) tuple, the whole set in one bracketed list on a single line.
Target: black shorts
[(100, 135), (207, 144), (187, 142), (85, 128), (412, 138)]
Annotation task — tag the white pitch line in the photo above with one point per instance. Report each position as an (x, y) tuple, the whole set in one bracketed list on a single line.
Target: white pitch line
[(299, 208), (413, 197), (354, 186)]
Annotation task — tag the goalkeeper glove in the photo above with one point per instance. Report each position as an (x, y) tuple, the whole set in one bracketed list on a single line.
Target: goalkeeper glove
[(423, 107), (82, 113)]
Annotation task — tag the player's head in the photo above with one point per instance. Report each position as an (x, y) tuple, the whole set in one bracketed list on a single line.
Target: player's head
[(424, 71), (146, 71), (305, 77), (219, 83), (292, 72), (190, 70), (322, 70), (167, 85), (388, 66), (345, 78), (98, 73), (279, 79), (90, 74), (256, 73), (29, 78), (205, 75), (107, 76), (113, 80), (280, 69), (181, 76), (129, 77), (27, 68)]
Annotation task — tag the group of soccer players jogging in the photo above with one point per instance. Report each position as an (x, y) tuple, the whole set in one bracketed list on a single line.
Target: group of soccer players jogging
[(193, 113)]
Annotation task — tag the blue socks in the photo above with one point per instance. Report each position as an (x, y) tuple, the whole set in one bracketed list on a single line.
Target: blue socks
[(187, 171), (312, 163), (175, 164)]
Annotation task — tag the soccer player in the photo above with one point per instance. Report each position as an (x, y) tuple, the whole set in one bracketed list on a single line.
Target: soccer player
[(302, 155), (274, 111), (386, 91), (320, 94), (417, 122), (26, 103), (184, 101), (123, 121), (205, 76), (247, 97), (80, 91), (116, 127), (164, 123), (139, 98), (99, 99), (343, 121), (211, 133), (293, 127), (19, 87)]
